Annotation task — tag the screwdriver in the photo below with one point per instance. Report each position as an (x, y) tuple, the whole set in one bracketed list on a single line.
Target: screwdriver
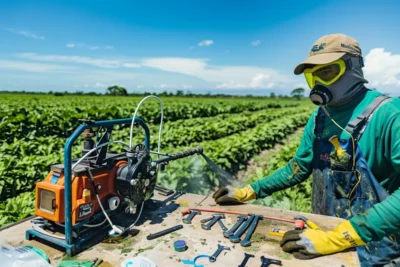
[(276, 232)]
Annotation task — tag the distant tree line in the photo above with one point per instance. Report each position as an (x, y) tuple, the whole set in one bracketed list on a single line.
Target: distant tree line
[(116, 90)]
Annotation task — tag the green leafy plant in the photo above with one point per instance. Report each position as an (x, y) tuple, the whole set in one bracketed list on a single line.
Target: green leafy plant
[(17, 208)]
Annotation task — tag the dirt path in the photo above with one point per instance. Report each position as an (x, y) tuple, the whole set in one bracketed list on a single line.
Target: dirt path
[(261, 160)]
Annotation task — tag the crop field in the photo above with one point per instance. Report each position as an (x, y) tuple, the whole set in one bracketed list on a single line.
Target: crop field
[(232, 131)]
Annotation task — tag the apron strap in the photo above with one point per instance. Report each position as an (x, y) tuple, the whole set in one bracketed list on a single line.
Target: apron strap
[(357, 126), (319, 125)]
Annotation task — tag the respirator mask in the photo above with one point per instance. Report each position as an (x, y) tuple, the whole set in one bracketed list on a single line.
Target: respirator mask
[(337, 82)]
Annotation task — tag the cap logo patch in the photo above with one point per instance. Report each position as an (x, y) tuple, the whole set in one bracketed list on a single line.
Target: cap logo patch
[(317, 48), (350, 47)]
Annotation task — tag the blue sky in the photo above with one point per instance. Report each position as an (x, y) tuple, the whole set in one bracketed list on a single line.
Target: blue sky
[(218, 46)]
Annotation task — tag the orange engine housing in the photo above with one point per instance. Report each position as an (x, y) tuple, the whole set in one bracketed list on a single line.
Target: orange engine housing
[(50, 194)]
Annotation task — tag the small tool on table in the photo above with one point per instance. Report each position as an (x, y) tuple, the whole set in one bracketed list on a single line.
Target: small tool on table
[(246, 259), (267, 262), (276, 232), (188, 219), (236, 237), (232, 231), (164, 232), (213, 258), (216, 217), (246, 241)]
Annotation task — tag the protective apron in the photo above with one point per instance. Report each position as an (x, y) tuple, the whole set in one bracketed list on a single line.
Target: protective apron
[(345, 193)]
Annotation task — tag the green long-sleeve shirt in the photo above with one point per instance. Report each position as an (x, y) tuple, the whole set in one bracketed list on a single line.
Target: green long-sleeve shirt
[(380, 145)]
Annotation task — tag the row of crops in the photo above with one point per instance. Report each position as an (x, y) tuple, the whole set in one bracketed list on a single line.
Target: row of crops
[(54, 116), (33, 131)]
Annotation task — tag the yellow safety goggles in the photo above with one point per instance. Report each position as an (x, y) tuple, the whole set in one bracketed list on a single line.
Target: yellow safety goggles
[(326, 74)]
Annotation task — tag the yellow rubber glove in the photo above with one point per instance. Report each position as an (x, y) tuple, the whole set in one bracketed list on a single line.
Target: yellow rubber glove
[(233, 195), (312, 243)]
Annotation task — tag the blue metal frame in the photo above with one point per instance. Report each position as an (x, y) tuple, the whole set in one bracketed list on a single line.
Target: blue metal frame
[(73, 246)]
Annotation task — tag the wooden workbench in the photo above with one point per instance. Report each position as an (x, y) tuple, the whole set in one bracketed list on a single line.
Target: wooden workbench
[(165, 212)]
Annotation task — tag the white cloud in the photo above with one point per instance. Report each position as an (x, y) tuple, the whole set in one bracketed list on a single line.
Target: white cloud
[(186, 66), (172, 86), (107, 76), (26, 34), (221, 76), (232, 85), (205, 43), (91, 47), (262, 81), (225, 76), (103, 63), (382, 70), (139, 86), (255, 43), (131, 65), (196, 71), (31, 67), (259, 81)]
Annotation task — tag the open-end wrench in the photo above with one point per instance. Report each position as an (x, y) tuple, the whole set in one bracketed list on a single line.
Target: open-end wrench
[(267, 262), (206, 219), (239, 222), (213, 258), (215, 218), (246, 241), (222, 225), (236, 237), (245, 260), (189, 218)]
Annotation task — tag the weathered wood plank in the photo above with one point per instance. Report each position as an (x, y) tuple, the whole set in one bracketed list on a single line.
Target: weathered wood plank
[(165, 213)]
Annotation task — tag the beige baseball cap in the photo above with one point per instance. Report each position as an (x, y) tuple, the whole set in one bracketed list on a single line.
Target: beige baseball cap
[(329, 48)]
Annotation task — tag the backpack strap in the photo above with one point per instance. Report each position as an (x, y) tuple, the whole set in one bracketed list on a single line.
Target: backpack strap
[(319, 125), (357, 126)]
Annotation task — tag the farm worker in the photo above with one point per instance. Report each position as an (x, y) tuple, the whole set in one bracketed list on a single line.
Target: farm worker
[(351, 146)]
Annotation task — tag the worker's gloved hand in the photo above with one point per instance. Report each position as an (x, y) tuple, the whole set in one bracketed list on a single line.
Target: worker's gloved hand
[(233, 195), (312, 243)]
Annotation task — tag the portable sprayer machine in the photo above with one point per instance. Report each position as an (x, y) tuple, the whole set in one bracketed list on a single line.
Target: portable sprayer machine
[(79, 196)]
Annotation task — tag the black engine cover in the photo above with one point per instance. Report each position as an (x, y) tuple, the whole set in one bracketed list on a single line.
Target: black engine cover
[(137, 180)]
